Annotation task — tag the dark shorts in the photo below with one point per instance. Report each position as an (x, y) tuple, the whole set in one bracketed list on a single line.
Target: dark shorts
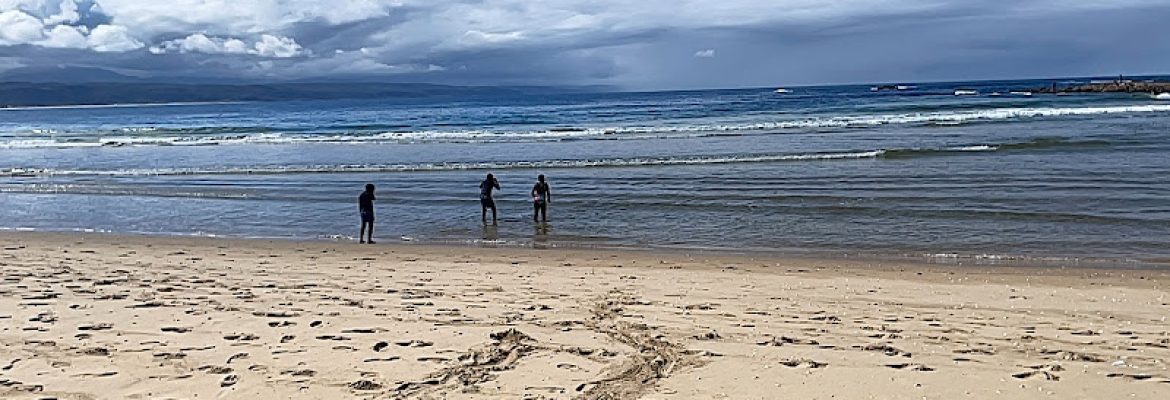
[(539, 205), (487, 202), (367, 216)]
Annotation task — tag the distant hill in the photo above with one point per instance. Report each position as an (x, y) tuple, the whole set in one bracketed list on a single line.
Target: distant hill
[(24, 94), (62, 74)]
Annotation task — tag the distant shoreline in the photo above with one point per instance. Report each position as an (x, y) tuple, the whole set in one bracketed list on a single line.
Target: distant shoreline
[(33, 94), (120, 105)]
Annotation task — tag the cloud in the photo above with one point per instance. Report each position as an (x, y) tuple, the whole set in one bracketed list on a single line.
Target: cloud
[(50, 24), (112, 38), (65, 36), (267, 46), (17, 27), (644, 44), (278, 47)]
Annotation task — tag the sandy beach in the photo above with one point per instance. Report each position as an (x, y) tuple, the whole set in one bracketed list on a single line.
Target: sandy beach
[(134, 317)]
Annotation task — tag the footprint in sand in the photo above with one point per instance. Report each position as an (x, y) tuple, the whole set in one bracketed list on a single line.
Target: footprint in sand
[(783, 340), (568, 366), (229, 380), (1041, 372), (364, 385), (387, 359), (711, 335), (360, 330), (240, 337), (1048, 376), (96, 351), (332, 337), (95, 327), (1138, 377), (911, 367), (793, 363), (299, 372), (414, 343), (884, 349), (236, 356), (215, 369)]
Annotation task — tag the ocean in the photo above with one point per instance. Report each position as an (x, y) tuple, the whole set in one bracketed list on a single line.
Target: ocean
[(833, 170)]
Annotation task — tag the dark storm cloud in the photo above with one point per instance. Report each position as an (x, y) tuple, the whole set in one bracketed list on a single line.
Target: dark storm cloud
[(639, 45)]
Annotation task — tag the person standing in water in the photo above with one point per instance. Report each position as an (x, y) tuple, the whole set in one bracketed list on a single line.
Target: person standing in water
[(541, 196), (485, 197), (366, 209)]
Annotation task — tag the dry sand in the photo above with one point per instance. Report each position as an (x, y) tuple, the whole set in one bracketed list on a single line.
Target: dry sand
[(124, 317)]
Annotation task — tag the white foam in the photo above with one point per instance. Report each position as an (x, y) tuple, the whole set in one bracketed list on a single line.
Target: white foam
[(974, 148), (453, 166), (607, 133)]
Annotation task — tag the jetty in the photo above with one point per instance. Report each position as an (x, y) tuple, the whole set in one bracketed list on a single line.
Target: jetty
[(1119, 85)]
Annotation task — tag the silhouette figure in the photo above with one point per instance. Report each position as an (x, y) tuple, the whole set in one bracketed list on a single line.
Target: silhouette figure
[(366, 209), (485, 197), (541, 196)]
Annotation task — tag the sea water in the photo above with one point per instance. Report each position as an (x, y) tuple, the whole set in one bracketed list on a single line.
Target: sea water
[(840, 170)]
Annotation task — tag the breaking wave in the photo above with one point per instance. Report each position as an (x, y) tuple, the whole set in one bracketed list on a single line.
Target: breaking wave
[(1035, 144), (211, 136)]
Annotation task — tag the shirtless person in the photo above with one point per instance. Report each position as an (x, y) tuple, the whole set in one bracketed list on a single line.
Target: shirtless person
[(366, 209), (541, 196), (485, 197)]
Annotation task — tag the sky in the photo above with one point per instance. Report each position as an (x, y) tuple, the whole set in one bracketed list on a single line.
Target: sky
[(629, 44)]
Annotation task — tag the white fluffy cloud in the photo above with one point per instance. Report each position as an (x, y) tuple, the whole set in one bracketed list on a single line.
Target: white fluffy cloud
[(267, 46), (112, 38), (65, 37), (59, 24), (17, 27), (278, 47), (239, 17), (49, 23)]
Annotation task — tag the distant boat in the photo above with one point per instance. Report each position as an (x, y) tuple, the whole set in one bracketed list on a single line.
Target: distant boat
[(1022, 93), (782, 91), (966, 92), (1162, 96)]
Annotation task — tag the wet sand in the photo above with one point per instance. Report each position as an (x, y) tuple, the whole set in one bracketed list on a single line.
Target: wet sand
[(135, 317)]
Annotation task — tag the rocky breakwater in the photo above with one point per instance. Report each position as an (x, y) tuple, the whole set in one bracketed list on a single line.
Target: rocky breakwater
[(1120, 86)]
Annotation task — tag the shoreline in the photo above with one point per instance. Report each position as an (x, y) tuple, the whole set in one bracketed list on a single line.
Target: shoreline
[(99, 316), (944, 259)]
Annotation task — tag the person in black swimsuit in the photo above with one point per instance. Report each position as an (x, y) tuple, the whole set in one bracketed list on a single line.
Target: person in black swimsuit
[(541, 196), (485, 197), (366, 209)]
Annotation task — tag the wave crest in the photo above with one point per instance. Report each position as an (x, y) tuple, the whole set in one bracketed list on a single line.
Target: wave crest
[(210, 136), (1035, 144)]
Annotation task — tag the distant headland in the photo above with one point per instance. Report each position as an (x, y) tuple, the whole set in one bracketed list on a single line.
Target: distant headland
[(1119, 85)]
